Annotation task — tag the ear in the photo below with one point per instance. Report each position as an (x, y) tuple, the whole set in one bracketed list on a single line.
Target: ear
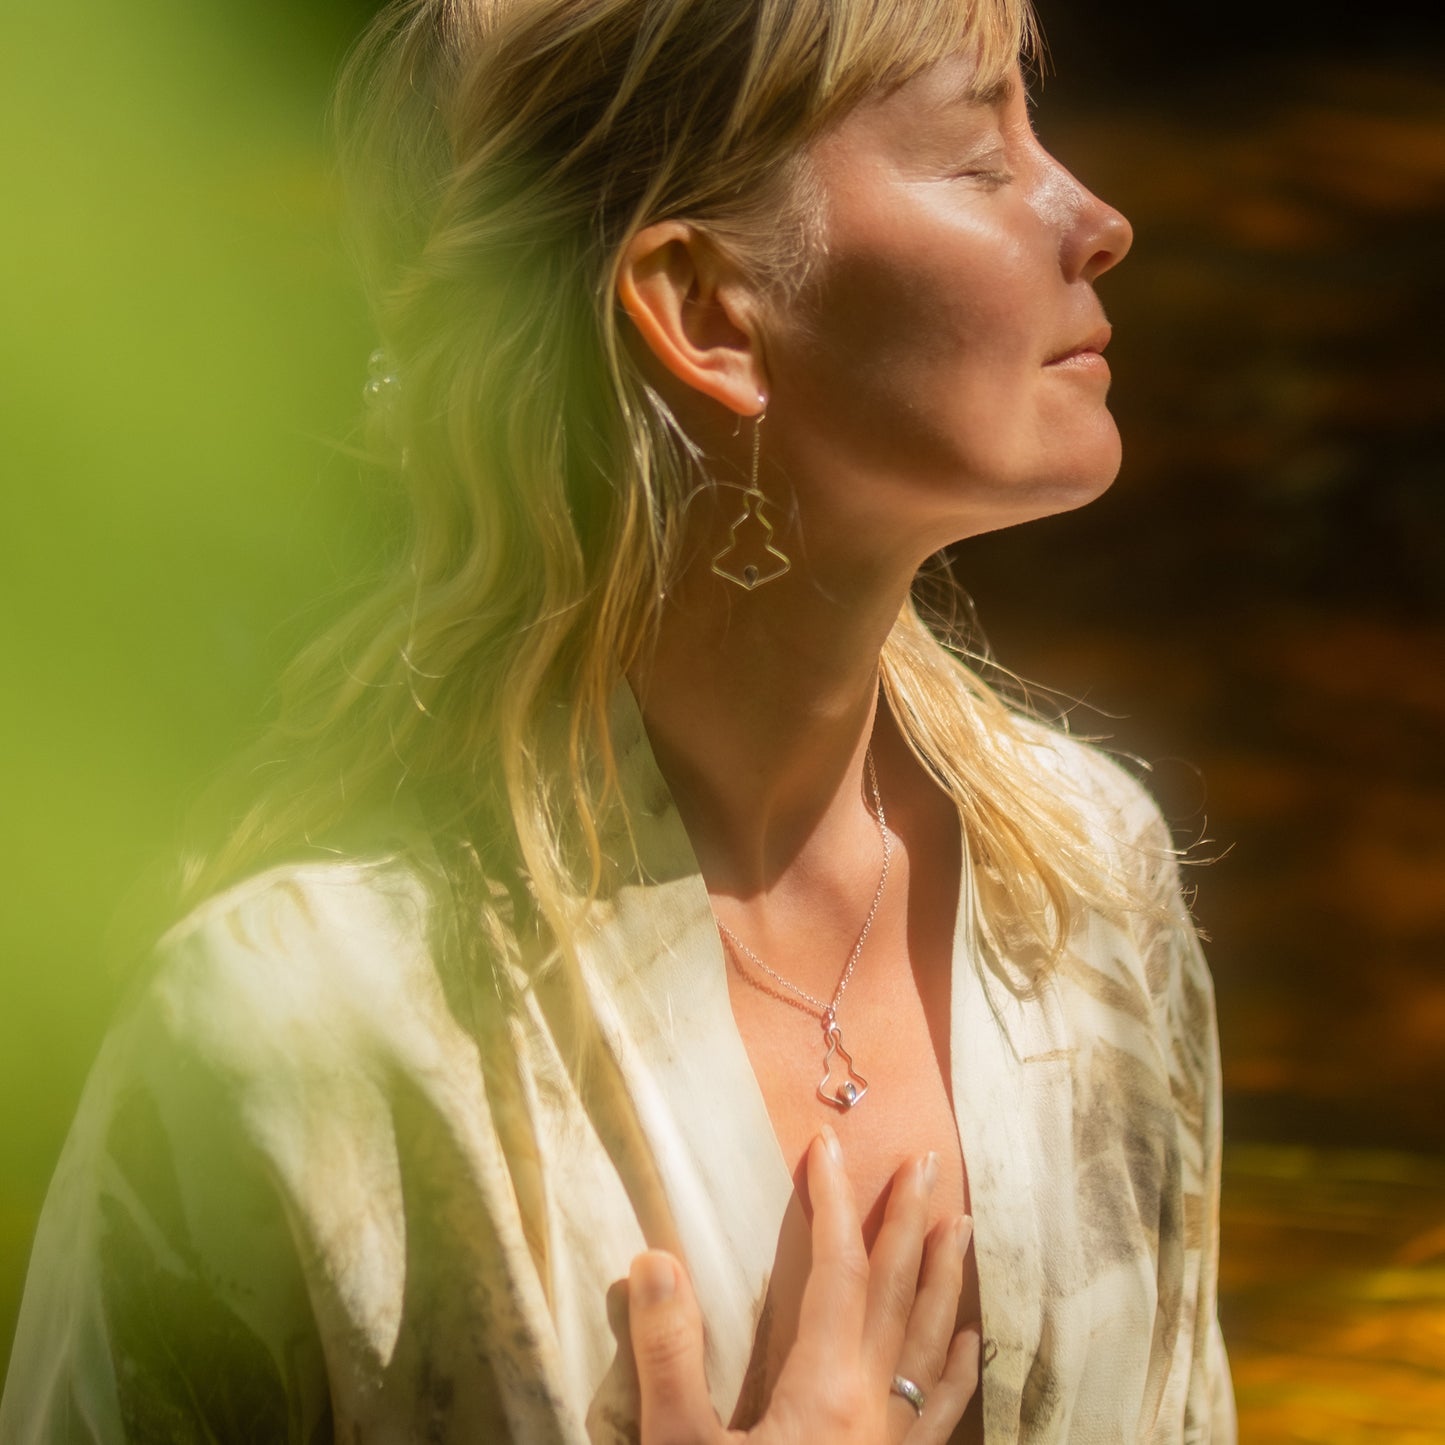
[(691, 310)]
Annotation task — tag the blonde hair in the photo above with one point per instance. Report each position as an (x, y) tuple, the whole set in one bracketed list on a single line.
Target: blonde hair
[(500, 154)]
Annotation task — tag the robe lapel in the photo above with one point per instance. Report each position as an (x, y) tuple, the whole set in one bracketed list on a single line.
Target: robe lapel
[(1011, 1090), (716, 1187)]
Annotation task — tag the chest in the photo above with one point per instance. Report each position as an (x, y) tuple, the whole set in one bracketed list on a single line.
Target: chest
[(905, 1110), (898, 1038), (894, 1048)]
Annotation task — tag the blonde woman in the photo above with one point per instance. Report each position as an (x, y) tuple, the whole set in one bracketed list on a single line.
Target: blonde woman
[(661, 989)]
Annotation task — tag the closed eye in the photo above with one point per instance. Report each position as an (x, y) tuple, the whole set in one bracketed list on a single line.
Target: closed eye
[(987, 175), (988, 178)]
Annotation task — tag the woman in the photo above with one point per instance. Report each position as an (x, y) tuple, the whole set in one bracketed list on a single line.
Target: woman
[(643, 891)]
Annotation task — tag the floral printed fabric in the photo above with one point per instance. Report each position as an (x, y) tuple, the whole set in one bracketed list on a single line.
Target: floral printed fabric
[(321, 1186)]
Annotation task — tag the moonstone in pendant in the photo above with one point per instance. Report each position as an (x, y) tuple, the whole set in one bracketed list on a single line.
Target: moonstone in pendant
[(848, 1094)]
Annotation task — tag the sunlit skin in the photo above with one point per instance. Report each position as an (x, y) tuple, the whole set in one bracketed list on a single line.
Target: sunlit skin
[(940, 375)]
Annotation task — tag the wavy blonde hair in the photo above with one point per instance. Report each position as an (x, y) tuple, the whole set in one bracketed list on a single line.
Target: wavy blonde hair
[(500, 153)]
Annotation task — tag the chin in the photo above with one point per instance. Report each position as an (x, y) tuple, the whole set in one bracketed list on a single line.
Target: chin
[(1007, 492), (1088, 473), (1067, 487)]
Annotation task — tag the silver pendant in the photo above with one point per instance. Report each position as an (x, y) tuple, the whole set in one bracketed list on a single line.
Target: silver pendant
[(849, 1093)]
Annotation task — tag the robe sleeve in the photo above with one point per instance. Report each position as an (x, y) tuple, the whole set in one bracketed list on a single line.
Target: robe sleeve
[(165, 1300), (1183, 996), (282, 1213)]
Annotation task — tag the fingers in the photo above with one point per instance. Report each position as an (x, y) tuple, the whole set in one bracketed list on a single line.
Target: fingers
[(935, 1310), (824, 1390), (894, 1263), (863, 1319), (955, 1388), (943, 1363), (667, 1342), (835, 1296)]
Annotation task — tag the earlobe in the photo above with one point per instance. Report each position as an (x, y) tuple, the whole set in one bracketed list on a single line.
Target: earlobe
[(688, 310)]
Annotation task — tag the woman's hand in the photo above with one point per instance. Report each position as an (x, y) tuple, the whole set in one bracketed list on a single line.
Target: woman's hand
[(864, 1319)]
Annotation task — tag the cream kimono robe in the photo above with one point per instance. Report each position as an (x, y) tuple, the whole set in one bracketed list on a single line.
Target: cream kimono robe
[(321, 1187)]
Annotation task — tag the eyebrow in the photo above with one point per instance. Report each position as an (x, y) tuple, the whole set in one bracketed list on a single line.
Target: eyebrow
[(991, 97), (999, 93)]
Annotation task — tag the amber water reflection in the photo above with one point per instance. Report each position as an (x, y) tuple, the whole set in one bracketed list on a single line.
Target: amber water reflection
[(1332, 1293)]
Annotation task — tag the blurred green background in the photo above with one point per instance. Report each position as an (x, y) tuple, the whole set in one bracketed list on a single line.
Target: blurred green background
[(1258, 608), (181, 346)]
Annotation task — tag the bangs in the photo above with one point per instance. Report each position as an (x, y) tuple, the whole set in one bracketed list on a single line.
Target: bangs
[(873, 45)]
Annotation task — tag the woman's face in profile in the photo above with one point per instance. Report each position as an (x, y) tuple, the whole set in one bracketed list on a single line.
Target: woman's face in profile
[(946, 347)]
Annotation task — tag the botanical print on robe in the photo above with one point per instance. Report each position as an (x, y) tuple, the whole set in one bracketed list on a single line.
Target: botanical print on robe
[(323, 1187)]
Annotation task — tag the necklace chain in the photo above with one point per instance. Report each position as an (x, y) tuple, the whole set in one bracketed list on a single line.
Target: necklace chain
[(827, 1013)]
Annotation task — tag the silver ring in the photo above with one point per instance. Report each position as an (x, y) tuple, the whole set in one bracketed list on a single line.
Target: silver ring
[(907, 1390)]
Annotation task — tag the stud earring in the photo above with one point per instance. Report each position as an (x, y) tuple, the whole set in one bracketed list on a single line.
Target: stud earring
[(770, 563)]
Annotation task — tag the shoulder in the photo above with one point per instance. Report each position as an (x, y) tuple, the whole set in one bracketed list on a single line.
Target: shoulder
[(310, 910), (1131, 837), (1118, 810), (313, 967)]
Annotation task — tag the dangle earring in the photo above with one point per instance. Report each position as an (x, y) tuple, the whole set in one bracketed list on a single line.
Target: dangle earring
[(771, 563)]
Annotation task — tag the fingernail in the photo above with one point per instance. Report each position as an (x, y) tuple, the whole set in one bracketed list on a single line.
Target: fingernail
[(831, 1145), (653, 1280), (963, 1231), (929, 1171)]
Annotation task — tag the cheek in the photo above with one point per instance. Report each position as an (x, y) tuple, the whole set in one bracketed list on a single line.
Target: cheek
[(920, 294), (919, 342), (942, 276)]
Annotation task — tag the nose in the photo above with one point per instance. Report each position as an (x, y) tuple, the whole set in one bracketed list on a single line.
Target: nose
[(1098, 240)]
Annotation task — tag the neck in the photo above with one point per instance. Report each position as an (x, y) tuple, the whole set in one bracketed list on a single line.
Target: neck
[(760, 707)]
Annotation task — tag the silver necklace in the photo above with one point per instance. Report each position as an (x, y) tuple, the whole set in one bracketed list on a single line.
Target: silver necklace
[(854, 1086)]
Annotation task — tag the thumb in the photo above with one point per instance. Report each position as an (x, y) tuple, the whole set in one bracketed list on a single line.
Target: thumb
[(666, 1329)]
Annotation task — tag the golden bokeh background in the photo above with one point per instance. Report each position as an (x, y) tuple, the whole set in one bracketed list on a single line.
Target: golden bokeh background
[(1257, 609)]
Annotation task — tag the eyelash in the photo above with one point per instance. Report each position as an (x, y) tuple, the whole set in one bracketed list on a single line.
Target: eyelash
[(991, 179)]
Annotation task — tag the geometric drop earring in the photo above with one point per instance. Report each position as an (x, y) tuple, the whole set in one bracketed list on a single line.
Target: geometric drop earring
[(752, 561)]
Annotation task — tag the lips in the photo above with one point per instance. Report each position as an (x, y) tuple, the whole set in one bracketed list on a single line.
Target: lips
[(1091, 346)]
